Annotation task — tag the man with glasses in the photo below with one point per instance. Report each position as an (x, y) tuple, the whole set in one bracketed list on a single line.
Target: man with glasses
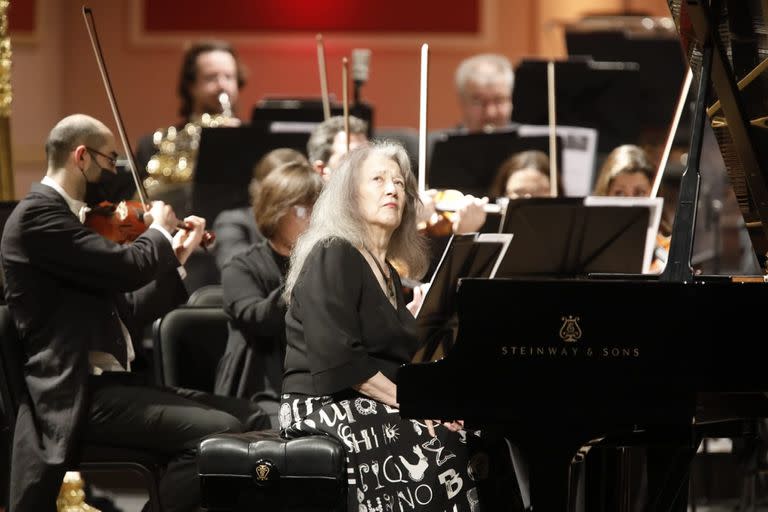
[(210, 72), (484, 85), (78, 301)]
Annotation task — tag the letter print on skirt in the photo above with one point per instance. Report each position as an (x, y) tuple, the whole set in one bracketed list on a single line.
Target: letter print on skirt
[(394, 464)]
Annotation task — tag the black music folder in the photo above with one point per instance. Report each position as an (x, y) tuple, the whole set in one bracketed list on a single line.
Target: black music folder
[(225, 161), (570, 237), (469, 161), (468, 255), (600, 95)]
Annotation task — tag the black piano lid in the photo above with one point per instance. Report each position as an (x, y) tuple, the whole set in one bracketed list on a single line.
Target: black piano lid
[(739, 41), (559, 362)]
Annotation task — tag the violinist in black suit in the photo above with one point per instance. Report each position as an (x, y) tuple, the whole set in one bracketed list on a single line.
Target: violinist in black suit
[(76, 297)]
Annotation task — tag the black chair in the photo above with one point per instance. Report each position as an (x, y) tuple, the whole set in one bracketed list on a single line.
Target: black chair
[(89, 457), (201, 271), (211, 296), (188, 344)]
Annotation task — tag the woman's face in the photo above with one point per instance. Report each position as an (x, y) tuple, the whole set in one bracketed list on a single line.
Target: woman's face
[(381, 192), (293, 224), (527, 183), (630, 184)]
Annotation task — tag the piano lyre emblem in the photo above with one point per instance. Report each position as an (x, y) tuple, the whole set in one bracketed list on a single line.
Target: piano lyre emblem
[(570, 331)]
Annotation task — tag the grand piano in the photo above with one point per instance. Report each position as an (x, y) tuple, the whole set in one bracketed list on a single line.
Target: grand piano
[(557, 364)]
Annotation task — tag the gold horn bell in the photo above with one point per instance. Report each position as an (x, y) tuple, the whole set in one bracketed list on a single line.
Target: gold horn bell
[(174, 161)]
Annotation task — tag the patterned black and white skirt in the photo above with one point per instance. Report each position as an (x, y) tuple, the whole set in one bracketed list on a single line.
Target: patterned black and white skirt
[(394, 465)]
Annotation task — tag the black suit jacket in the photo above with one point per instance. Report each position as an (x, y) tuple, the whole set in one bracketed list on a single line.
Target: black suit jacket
[(65, 286)]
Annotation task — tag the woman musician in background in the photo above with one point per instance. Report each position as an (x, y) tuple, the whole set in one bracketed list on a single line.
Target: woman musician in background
[(252, 283), (524, 174), (236, 228)]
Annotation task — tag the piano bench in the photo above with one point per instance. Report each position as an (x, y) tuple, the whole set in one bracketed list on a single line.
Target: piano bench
[(262, 471)]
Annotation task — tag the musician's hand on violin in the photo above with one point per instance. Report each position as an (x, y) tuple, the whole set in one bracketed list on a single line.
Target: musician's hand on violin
[(163, 215), (471, 215), (185, 241), (418, 297), (427, 208)]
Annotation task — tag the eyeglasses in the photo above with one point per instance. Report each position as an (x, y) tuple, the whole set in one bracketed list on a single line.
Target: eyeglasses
[(496, 101), (112, 159)]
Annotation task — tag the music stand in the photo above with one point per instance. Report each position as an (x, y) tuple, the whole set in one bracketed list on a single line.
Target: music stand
[(469, 161), (301, 115), (569, 237), (600, 95), (469, 255), (661, 59), (225, 161)]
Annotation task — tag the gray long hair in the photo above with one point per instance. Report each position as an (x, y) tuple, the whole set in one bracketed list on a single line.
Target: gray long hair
[(336, 214)]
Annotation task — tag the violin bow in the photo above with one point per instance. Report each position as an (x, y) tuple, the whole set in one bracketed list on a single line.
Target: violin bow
[(323, 77), (345, 95), (90, 24), (681, 100), (422, 175), (552, 115)]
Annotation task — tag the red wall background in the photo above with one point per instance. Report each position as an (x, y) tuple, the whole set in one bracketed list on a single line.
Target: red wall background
[(416, 16)]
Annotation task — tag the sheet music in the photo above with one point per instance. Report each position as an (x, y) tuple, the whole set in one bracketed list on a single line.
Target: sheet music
[(579, 153), (654, 204)]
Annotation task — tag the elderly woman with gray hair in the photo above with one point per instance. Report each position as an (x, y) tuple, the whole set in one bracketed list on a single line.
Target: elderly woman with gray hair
[(348, 329)]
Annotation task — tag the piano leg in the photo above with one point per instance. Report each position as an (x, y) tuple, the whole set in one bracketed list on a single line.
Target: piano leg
[(668, 476), (548, 457)]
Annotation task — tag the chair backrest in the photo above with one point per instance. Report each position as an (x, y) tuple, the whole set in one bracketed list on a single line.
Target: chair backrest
[(211, 296), (12, 386), (188, 344)]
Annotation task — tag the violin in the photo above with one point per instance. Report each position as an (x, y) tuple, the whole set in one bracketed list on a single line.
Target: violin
[(445, 203), (122, 222)]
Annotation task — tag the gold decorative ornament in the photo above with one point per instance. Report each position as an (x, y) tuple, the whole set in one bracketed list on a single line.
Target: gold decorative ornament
[(72, 496), (262, 472), (570, 331), (6, 170)]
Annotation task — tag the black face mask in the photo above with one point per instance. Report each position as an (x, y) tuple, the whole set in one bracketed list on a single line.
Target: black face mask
[(103, 189)]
